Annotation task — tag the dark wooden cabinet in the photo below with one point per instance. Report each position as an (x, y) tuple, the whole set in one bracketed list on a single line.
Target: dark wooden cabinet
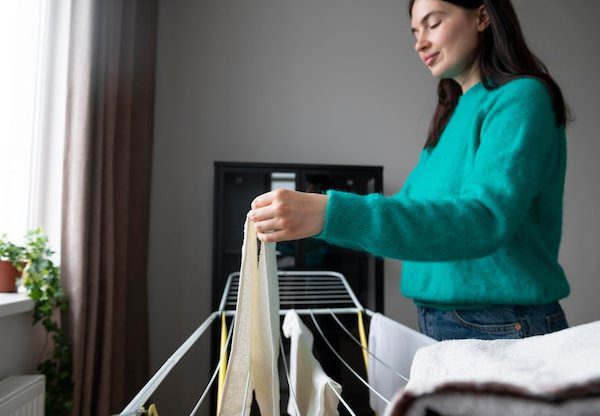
[(237, 184)]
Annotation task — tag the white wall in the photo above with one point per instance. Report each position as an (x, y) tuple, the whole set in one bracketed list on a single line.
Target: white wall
[(20, 344), (324, 81)]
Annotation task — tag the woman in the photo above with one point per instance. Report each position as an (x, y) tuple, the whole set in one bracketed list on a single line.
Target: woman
[(478, 221)]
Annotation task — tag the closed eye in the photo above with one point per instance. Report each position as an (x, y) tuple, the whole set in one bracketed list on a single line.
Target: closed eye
[(428, 18)]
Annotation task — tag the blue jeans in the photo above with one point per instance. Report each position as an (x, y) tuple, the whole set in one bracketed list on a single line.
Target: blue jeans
[(493, 322)]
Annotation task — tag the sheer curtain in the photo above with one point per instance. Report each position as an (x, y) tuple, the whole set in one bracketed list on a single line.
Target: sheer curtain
[(34, 50), (108, 151)]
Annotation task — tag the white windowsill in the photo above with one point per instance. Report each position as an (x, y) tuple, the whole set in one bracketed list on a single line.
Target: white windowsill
[(14, 303)]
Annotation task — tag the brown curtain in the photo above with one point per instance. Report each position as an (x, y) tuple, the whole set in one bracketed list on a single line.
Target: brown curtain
[(108, 153)]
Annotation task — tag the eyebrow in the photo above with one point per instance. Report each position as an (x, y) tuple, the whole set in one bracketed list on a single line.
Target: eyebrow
[(427, 16)]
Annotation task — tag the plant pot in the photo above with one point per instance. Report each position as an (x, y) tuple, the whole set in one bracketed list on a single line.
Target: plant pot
[(8, 276)]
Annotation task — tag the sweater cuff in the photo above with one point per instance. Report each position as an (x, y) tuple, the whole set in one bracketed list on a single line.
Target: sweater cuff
[(345, 217)]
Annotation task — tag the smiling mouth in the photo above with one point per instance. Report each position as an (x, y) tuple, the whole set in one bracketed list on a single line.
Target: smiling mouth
[(429, 60)]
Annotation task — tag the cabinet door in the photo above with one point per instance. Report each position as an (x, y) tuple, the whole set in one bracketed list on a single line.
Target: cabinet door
[(235, 188), (359, 268), (362, 271), (236, 185)]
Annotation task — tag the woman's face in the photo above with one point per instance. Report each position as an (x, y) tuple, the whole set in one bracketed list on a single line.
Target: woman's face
[(447, 37)]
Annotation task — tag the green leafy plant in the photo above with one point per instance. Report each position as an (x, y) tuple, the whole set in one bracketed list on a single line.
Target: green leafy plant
[(41, 280), (10, 251)]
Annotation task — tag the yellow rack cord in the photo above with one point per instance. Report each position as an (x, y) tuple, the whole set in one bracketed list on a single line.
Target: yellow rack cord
[(152, 410), (363, 339), (223, 360)]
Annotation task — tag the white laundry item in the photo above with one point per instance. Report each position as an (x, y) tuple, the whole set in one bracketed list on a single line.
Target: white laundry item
[(311, 387), (255, 344), (395, 345), (553, 374)]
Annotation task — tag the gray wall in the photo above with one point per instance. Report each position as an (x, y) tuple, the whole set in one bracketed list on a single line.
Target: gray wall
[(324, 81)]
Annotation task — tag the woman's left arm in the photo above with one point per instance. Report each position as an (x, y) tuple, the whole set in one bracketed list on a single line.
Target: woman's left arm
[(519, 141), (516, 153)]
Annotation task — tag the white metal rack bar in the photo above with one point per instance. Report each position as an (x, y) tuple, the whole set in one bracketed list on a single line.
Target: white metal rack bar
[(133, 408), (304, 292)]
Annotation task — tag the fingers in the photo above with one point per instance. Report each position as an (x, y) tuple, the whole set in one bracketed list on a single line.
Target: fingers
[(268, 205), (263, 200), (273, 237), (266, 226), (284, 215), (261, 214)]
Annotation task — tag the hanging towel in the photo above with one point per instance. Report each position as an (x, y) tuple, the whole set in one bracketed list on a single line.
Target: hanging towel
[(395, 345), (553, 374), (254, 349), (311, 387)]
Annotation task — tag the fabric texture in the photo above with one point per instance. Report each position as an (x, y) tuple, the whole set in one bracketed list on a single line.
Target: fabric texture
[(395, 345), (311, 387), (492, 322), (478, 221), (106, 199), (550, 374), (255, 343)]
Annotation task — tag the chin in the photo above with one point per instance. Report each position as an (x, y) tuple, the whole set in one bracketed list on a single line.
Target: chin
[(441, 74), (437, 73)]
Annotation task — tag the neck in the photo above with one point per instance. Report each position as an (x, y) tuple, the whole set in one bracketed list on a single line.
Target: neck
[(468, 78)]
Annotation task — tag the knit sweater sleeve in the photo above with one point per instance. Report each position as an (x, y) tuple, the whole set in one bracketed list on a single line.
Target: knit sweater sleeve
[(514, 158)]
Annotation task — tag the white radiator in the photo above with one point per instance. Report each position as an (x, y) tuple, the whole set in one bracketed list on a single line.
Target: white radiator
[(22, 396)]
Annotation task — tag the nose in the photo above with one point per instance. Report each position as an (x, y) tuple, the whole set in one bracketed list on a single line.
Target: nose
[(422, 43)]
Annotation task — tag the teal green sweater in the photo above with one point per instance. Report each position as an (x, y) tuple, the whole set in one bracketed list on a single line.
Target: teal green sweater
[(478, 221)]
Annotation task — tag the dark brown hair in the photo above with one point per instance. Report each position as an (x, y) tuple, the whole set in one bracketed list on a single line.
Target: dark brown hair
[(502, 55)]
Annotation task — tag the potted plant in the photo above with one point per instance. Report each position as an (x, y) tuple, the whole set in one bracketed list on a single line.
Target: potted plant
[(10, 255), (41, 282)]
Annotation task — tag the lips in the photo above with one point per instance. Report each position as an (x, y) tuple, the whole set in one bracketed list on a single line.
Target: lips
[(428, 60)]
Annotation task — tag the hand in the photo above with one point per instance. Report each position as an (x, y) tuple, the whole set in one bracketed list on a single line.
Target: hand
[(283, 215)]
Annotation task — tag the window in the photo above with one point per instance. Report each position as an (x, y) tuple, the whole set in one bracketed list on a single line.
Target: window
[(33, 73)]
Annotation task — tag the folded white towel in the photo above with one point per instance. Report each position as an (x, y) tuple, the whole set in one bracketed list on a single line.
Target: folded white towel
[(531, 376)]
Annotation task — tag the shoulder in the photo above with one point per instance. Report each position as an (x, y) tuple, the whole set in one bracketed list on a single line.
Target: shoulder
[(523, 95), (522, 89)]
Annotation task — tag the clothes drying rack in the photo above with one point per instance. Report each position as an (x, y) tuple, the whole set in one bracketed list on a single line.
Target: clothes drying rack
[(308, 293)]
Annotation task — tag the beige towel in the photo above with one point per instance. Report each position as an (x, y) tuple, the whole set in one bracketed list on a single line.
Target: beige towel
[(255, 342)]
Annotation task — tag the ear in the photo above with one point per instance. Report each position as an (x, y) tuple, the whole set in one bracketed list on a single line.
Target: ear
[(483, 20)]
